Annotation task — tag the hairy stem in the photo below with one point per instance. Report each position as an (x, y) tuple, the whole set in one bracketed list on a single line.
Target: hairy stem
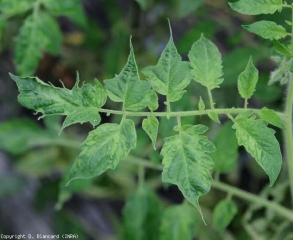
[(245, 103), (184, 113), (287, 132), (211, 99), (233, 191)]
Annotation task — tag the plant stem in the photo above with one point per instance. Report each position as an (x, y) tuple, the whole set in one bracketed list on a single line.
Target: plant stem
[(245, 103), (287, 132), (211, 99), (184, 113), (254, 199), (286, 213), (141, 175)]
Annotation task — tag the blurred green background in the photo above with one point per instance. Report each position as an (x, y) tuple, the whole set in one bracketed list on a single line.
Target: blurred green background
[(35, 161)]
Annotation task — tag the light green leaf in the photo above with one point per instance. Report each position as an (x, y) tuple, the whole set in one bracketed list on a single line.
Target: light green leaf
[(282, 49), (187, 7), (154, 101), (15, 7), (104, 148), (260, 142), (224, 213), (186, 163), (143, 4), (247, 80), (206, 63), (171, 75), (226, 156), (151, 125), (141, 215), (255, 7), (214, 116), (271, 117), (78, 103), (39, 32), (70, 8), (128, 88), (201, 105), (267, 29), (178, 222)]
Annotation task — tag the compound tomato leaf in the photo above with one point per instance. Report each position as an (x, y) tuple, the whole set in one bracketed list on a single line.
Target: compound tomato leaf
[(36, 35), (206, 63), (271, 117), (70, 8), (103, 149), (171, 75), (79, 103), (260, 142), (225, 157), (141, 215), (224, 213), (267, 29), (255, 7), (151, 125), (186, 163), (247, 80), (128, 88), (179, 222)]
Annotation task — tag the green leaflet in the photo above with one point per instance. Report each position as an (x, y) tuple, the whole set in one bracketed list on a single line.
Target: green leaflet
[(104, 148), (247, 80), (178, 222), (128, 88), (171, 75), (39, 32), (79, 104), (206, 63), (282, 49), (214, 116), (154, 101), (151, 125), (226, 156), (143, 4), (267, 29), (186, 163), (271, 117), (255, 7), (201, 105), (260, 142), (141, 215), (224, 213), (70, 8), (15, 7)]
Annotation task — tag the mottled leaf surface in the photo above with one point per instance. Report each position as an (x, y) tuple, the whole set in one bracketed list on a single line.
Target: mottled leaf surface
[(15, 7), (271, 117), (127, 87), (171, 75), (38, 33), (225, 157), (267, 29), (141, 216), (186, 163), (224, 213), (104, 148), (260, 142), (282, 49), (247, 80), (178, 222), (79, 104), (206, 63), (255, 7), (151, 125)]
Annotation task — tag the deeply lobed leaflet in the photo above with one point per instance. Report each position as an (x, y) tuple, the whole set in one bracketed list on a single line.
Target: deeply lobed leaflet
[(186, 158)]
